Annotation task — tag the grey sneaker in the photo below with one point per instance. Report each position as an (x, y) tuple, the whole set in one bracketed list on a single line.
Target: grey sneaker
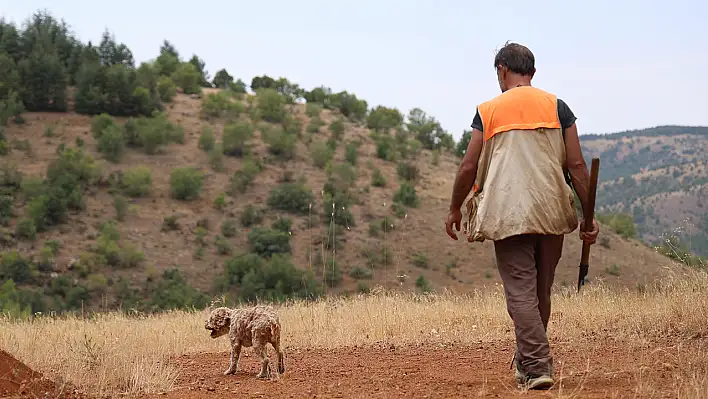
[(540, 382)]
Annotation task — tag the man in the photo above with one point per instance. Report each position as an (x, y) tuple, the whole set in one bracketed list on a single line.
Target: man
[(524, 144)]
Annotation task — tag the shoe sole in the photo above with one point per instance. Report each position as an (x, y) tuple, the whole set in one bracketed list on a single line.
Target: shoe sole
[(541, 383)]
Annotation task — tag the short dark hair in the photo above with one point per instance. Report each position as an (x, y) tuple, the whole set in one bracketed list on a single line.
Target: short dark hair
[(517, 58)]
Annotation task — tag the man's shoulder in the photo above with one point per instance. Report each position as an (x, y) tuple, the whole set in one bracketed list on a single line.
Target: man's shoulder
[(515, 94)]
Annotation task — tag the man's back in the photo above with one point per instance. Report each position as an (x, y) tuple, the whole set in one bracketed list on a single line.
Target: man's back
[(520, 187)]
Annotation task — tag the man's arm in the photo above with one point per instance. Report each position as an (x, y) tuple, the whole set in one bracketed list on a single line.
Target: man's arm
[(577, 167), (467, 171)]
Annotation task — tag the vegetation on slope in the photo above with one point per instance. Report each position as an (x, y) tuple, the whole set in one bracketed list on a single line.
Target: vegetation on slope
[(46, 69)]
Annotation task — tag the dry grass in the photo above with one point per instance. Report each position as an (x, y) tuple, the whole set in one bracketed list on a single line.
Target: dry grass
[(110, 353)]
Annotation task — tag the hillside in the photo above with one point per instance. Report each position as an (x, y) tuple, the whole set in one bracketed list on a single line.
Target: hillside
[(659, 176), (187, 192)]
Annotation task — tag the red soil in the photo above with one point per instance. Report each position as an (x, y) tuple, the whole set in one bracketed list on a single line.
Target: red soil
[(19, 381), (592, 370)]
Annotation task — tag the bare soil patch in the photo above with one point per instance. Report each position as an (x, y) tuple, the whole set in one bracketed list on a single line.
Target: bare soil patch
[(17, 380), (599, 369)]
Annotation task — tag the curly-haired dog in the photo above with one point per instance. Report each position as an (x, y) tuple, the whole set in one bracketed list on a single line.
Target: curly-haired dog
[(254, 326)]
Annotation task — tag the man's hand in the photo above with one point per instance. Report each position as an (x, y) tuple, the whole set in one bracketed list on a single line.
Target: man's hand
[(454, 218), (591, 236)]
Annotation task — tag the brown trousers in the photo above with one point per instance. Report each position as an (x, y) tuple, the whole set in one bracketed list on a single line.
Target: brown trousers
[(527, 266)]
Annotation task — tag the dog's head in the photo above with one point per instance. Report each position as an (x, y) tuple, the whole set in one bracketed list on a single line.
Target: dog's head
[(218, 322)]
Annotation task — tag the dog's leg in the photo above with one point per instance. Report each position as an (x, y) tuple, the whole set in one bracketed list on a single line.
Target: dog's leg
[(280, 356), (262, 351), (233, 359)]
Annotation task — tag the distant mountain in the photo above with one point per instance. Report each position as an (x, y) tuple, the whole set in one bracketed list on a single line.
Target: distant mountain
[(659, 176)]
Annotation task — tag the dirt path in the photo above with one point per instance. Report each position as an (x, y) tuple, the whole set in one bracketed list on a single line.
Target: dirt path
[(611, 370)]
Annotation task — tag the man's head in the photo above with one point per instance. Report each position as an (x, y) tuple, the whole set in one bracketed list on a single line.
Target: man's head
[(515, 64)]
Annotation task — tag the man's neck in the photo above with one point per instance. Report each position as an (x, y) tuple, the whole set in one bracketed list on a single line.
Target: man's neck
[(518, 80)]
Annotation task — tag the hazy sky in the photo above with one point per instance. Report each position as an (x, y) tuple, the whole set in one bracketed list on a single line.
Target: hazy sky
[(618, 64)]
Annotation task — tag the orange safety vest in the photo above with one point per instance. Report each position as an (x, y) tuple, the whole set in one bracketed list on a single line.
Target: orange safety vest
[(520, 108)]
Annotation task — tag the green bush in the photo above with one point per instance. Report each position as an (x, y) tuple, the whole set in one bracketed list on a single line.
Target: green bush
[(236, 138), (282, 224), (112, 143), (291, 197), (321, 154), (351, 153), (406, 195), (174, 292), (243, 178), (407, 171), (251, 216), (313, 110), (221, 105), (229, 228), (137, 181), (270, 106), (207, 139), (187, 77), (280, 143), (378, 179), (361, 273), (101, 122), (16, 268), (25, 229), (275, 279), (216, 158), (166, 88), (337, 128), (186, 183), (268, 242), (112, 252)]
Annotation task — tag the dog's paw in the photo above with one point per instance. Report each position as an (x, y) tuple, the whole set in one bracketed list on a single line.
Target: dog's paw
[(230, 371)]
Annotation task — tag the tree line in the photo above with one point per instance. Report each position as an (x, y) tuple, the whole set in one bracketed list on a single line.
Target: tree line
[(43, 67)]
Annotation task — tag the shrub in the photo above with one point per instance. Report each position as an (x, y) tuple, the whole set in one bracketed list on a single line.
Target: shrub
[(229, 228), (291, 197), (216, 158), (361, 273), (385, 148), (313, 110), (280, 143), (251, 216), (337, 128), (315, 124), (207, 139), (186, 183), (137, 181), (351, 153), (422, 284), (420, 260), (378, 179), (112, 143), (273, 279), (220, 105), (321, 154), (282, 224), (407, 171), (220, 202), (268, 242), (26, 229), (101, 122), (243, 178), (236, 137), (121, 207), (271, 106), (406, 195), (166, 89), (223, 247), (188, 78)]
